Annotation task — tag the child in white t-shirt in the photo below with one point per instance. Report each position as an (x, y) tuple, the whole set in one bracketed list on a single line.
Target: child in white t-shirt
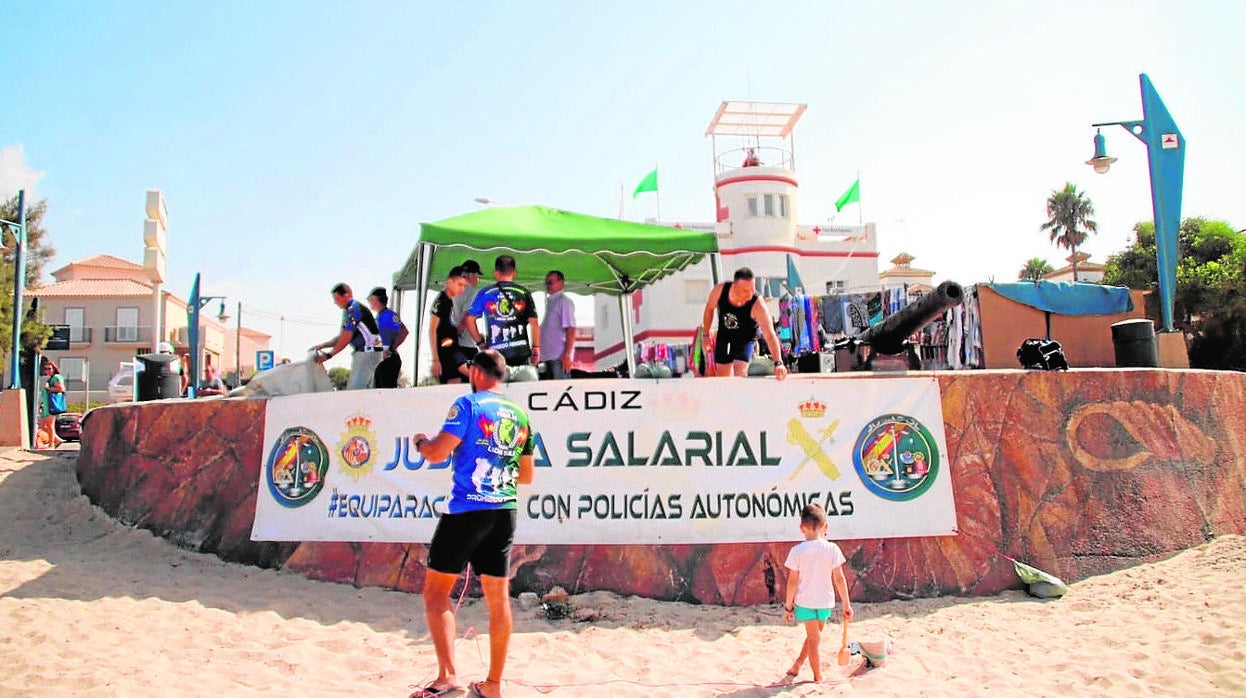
[(815, 574)]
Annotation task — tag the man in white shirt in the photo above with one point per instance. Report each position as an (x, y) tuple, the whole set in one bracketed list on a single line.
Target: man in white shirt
[(558, 330)]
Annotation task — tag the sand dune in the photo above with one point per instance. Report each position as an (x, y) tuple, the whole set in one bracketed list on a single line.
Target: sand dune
[(90, 608)]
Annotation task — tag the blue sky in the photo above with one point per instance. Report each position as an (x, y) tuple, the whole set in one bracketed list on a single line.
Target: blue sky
[(301, 143)]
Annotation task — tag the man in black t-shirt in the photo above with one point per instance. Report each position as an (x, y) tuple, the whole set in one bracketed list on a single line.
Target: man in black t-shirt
[(450, 358), (510, 321)]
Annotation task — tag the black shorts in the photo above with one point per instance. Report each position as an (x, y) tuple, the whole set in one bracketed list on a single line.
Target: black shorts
[(451, 358), (482, 538), (729, 349), (387, 372)]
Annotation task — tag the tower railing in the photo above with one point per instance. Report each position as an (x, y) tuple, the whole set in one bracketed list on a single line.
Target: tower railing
[(763, 156)]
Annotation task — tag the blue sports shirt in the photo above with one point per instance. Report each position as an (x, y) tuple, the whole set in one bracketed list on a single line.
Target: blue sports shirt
[(495, 433)]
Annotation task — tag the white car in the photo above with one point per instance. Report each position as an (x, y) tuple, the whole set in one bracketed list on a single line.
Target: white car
[(121, 385)]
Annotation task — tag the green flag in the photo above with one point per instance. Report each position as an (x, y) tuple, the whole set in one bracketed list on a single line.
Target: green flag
[(853, 195), (649, 183)]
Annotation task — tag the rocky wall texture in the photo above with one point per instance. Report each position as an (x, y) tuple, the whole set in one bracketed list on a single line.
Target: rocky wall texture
[(1077, 473)]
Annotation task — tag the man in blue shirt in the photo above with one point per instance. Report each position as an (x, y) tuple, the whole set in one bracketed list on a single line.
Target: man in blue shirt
[(510, 321), (359, 331), (491, 442), (393, 333)]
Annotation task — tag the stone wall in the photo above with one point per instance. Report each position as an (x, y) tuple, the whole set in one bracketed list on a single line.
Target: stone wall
[(1077, 473)]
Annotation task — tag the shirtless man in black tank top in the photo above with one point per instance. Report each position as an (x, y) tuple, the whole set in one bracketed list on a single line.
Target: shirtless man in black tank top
[(740, 314)]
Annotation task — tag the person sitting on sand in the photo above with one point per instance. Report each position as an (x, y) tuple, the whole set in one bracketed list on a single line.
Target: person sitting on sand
[(814, 566)]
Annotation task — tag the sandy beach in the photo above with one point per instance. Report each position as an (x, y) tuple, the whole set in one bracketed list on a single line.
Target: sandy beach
[(92, 608)]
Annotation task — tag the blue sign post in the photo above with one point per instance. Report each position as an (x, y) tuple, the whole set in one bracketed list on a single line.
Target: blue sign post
[(17, 229), (263, 359), (196, 304)]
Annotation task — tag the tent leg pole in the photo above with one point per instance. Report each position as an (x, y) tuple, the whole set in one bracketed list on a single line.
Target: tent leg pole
[(629, 341), (714, 273), (421, 280)]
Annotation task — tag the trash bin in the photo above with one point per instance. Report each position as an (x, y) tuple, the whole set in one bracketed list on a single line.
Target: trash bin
[(1134, 343), (158, 379)]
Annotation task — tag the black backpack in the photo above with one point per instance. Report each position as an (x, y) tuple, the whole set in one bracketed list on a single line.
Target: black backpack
[(1045, 354)]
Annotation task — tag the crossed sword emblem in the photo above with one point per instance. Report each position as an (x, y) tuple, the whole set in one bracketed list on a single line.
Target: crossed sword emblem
[(798, 435)]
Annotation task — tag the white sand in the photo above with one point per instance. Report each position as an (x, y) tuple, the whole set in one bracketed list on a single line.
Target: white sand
[(89, 608)]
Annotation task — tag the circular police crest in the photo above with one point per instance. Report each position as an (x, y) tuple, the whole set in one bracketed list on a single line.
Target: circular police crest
[(296, 467), (896, 457)]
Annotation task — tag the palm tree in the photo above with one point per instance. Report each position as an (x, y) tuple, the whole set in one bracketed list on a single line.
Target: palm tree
[(1068, 213), (1034, 269)]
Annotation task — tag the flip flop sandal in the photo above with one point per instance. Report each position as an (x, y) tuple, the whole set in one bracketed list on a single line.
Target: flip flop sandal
[(431, 691)]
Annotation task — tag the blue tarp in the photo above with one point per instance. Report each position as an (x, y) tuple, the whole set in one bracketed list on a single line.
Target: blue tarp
[(1068, 298)]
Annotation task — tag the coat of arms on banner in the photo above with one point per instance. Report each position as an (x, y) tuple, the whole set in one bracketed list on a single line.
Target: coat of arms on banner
[(357, 446), (896, 457), (813, 446), (296, 467)]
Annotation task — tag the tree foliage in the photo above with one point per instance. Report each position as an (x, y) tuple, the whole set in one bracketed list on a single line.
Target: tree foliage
[(1210, 298), (38, 254), (1069, 219), (339, 377), (1034, 269)]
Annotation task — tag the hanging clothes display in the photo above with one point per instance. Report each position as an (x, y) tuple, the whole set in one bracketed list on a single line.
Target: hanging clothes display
[(832, 314)]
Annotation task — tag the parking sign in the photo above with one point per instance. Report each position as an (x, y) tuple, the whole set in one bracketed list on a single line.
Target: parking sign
[(263, 359)]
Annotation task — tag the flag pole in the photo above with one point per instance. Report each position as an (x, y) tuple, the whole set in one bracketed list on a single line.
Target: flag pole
[(860, 208), (621, 190), (658, 193)]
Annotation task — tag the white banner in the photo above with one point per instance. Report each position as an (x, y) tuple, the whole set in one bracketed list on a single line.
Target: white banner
[(625, 461)]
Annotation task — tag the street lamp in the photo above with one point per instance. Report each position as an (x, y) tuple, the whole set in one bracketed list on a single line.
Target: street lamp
[(1166, 158), (18, 229), (193, 307)]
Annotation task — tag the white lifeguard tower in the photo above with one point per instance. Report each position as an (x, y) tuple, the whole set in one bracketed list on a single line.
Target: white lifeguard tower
[(755, 202)]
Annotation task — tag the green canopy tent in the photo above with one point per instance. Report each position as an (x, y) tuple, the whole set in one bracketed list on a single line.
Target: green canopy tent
[(597, 255)]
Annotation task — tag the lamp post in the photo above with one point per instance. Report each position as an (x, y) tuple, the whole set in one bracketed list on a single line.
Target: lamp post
[(18, 229), (238, 349), (1166, 158), (192, 311)]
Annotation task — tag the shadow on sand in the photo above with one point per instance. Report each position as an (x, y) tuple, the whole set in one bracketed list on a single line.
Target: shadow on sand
[(92, 557)]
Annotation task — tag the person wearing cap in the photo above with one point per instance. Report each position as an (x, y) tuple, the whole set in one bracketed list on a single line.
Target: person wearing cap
[(489, 441), (449, 357), (393, 333), (510, 321), (177, 365), (462, 302), (359, 331)]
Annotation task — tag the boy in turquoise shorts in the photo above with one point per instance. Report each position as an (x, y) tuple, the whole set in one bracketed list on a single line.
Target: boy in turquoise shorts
[(815, 574)]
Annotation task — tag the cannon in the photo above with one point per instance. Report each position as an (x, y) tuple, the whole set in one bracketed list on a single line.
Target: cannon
[(891, 335)]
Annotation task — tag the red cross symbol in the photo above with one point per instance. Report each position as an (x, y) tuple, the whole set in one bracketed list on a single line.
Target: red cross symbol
[(817, 230)]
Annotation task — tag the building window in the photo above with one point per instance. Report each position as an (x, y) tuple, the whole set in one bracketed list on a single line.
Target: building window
[(75, 318), (127, 324), (771, 206), (835, 286)]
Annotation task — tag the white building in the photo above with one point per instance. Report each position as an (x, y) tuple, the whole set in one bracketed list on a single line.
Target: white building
[(1087, 271), (755, 197), (903, 274)]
